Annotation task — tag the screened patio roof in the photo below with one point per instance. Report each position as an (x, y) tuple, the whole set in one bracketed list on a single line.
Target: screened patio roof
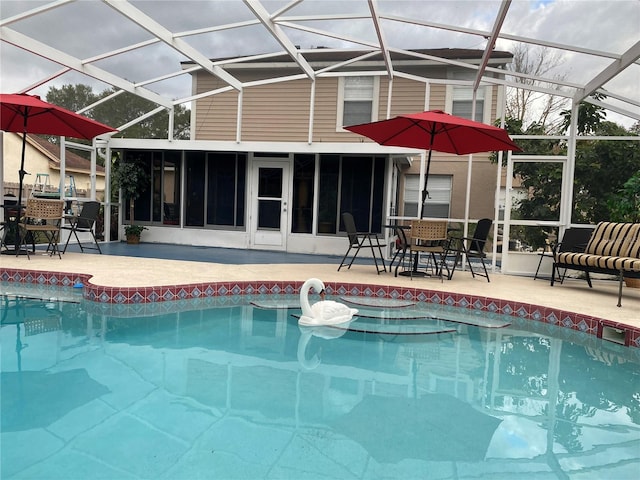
[(140, 46)]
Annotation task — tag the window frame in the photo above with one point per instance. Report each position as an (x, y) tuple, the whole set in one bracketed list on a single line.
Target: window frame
[(432, 190), (375, 100), (486, 100)]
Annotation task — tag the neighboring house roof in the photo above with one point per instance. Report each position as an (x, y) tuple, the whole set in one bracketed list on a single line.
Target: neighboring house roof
[(73, 161), (321, 54)]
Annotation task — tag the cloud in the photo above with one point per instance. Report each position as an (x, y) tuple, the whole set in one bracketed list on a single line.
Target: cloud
[(88, 29)]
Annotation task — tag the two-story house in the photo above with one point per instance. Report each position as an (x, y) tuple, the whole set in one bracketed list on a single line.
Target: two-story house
[(270, 166)]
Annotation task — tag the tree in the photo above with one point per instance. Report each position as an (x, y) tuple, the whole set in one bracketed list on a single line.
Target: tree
[(121, 109), (590, 116), (131, 178), (526, 105), (126, 107), (625, 204), (601, 169), (73, 97)]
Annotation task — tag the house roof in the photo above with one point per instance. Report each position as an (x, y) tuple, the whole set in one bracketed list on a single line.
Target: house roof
[(324, 54), (142, 47), (73, 161)]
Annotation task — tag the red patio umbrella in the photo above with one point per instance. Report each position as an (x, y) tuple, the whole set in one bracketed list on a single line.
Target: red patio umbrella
[(22, 113), (439, 131)]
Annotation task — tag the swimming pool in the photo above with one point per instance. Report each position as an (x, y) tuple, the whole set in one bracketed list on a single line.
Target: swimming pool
[(232, 387)]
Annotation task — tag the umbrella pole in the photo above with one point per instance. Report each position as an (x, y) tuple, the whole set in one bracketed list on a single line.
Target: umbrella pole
[(425, 192), (21, 175)]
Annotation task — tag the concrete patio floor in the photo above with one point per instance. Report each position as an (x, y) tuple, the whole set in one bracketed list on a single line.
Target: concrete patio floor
[(121, 266)]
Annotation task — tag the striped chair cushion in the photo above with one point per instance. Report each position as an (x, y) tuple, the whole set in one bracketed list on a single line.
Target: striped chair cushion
[(611, 239), (632, 244), (605, 262)]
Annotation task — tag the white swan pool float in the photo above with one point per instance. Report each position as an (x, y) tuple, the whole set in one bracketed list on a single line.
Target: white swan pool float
[(324, 312)]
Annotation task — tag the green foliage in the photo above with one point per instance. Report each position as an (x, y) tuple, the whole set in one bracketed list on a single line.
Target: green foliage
[(73, 97), (590, 116), (625, 204), (532, 147), (122, 109), (135, 230), (130, 177), (602, 169)]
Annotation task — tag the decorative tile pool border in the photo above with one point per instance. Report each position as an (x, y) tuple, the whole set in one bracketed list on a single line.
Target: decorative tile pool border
[(599, 327)]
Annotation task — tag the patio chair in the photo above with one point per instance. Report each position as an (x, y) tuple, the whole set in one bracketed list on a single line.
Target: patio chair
[(359, 240), (573, 240), (431, 237), (43, 216), (472, 247), (84, 223), (9, 203), (402, 244)]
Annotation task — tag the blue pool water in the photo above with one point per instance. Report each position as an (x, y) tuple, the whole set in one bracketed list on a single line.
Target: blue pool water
[(233, 388)]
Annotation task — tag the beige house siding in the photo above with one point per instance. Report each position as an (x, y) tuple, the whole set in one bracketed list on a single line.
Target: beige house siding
[(215, 116), (407, 96), (326, 104), (271, 113), (279, 112)]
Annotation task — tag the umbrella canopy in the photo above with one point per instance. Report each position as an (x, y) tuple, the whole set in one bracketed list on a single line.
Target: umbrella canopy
[(433, 427), (439, 131), (22, 113)]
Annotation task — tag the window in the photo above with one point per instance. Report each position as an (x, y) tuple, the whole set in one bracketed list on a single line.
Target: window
[(411, 196), (171, 188), (194, 189), (215, 189), (226, 181), (159, 200), (357, 100), (437, 204), (462, 102), (304, 167), (142, 203), (351, 184)]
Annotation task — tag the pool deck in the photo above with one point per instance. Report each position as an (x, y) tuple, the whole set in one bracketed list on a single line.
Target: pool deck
[(121, 267)]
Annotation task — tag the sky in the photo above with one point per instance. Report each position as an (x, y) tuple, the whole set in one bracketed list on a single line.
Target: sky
[(89, 28)]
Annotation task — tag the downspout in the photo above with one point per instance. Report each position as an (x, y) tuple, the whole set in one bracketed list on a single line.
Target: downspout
[(239, 118), (171, 124), (469, 169), (312, 104), (63, 167)]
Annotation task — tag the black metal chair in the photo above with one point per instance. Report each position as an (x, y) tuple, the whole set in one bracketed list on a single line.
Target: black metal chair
[(85, 223), (357, 241), (472, 247), (402, 244), (573, 240)]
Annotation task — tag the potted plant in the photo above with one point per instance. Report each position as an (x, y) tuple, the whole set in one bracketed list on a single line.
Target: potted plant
[(131, 179), (625, 207), (133, 232)]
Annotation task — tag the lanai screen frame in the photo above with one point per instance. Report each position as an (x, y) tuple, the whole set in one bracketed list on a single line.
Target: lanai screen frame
[(283, 25)]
